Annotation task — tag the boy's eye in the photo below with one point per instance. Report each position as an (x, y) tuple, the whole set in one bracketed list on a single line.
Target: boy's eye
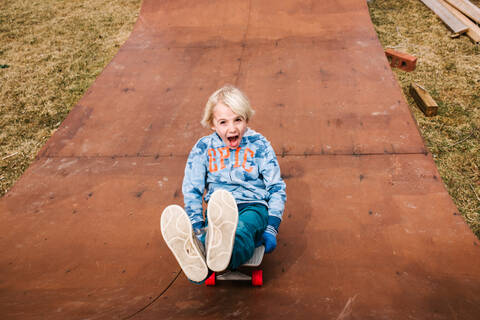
[(238, 119)]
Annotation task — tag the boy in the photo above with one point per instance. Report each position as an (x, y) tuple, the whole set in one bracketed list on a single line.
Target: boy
[(245, 193)]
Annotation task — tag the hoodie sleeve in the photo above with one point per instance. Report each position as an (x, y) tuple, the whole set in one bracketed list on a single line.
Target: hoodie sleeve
[(194, 182), (275, 187)]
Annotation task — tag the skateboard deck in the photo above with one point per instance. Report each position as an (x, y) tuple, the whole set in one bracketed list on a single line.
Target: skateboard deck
[(256, 276), (257, 257)]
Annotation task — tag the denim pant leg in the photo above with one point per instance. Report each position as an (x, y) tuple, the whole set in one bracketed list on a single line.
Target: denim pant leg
[(252, 221)]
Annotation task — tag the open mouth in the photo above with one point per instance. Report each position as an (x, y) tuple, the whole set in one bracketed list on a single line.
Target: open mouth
[(232, 139)]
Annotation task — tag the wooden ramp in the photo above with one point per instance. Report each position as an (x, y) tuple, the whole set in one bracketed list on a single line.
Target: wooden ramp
[(369, 230)]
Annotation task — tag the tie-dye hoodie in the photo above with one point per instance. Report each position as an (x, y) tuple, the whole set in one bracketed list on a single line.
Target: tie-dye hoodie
[(250, 172)]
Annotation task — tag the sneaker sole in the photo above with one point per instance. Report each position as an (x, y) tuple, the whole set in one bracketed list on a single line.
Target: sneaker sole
[(222, 224), (177, 232)]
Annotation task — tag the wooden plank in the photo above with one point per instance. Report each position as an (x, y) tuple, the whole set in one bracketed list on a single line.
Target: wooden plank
[(423, 99), (446, 16), (473, 30), (467, 8)]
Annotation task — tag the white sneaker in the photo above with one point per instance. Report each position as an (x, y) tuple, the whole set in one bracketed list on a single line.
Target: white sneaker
[(222, 215), (178, 233)]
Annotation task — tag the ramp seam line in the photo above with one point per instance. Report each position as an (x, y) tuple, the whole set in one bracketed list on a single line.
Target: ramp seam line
[(244, 43), (156, 298), (235, 44), (279, 155)]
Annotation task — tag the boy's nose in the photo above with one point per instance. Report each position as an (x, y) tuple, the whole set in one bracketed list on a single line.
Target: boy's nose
[(231, 127)]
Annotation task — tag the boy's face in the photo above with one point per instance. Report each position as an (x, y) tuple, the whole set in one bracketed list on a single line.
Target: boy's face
[(228, 125)]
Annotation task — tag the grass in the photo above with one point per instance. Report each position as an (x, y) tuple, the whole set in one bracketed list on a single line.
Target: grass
[(52, 50), (449, 69)]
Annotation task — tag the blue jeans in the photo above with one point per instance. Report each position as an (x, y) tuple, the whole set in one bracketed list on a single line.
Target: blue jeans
[(252, 221)]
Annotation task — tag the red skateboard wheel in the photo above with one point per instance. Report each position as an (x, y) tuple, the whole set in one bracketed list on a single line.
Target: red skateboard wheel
[(210, 281), (257, 278)]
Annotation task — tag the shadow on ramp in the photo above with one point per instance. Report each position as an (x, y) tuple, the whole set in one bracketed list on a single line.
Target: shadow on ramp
[(369, 231)]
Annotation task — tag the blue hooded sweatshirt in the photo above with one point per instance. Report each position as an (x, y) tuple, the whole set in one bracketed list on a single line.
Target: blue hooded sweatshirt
[(250, 173)]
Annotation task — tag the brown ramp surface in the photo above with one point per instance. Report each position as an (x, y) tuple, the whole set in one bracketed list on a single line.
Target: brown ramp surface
[(369, 231)]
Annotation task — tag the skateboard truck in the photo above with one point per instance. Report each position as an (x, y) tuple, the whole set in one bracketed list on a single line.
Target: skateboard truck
[(256, 276)]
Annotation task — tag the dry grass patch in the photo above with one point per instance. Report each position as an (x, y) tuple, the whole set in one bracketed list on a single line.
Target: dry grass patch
[(449, 69), (50, 53)]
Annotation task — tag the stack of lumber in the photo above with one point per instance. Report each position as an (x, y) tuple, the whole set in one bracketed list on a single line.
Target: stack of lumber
[(461, 16)]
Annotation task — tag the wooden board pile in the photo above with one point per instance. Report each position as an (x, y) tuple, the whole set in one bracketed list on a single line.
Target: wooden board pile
[(461, 16)]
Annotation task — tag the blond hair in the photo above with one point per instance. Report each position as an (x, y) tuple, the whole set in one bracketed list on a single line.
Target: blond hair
[(233, 98)]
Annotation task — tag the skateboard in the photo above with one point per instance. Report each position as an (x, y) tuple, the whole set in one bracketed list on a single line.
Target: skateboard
[(256, 276)]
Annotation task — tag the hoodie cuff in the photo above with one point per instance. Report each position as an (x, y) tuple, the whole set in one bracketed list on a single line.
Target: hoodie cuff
[(274, 222), (271, 230)]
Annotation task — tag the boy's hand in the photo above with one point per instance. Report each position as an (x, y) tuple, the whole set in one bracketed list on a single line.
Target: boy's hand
[(270, 242), (269, 239)]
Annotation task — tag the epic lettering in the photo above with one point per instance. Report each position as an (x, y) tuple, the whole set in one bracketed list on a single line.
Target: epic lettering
[(216, 158)]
